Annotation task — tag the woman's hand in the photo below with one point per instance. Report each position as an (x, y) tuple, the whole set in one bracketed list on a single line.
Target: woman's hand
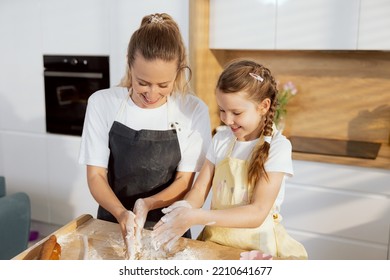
[(141, 212), (125, 218), (131, 224), (126, 222), (173, 225)]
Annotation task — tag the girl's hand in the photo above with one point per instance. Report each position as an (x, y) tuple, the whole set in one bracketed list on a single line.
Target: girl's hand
[(173, 225), (177, 204), (254, 255)]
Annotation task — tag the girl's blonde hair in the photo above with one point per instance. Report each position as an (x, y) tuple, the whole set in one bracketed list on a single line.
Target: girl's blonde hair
[(159, 37), (258, 83)]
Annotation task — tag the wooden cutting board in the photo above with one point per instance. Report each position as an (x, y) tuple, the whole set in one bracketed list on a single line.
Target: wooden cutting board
[(105, 242)]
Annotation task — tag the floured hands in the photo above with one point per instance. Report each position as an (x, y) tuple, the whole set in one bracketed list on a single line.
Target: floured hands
[(172, 225), (141, 212), (131, 224), (254, 255), (123, 221), (127, 225)]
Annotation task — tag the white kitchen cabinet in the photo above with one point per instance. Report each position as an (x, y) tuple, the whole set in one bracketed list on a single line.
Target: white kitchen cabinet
[(22, 103), (75, 27), (374, 25), (325, 247), (317, 25), (1, 158), (46, 168), (243, 25), (284, 25), (24, 157), (338, 211), (69, 193)]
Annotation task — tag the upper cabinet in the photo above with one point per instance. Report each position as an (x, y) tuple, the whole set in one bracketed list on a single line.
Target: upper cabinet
[(315, 25), (374, 25), (75, 27), (248, 24), (22, 103), (299, 24)]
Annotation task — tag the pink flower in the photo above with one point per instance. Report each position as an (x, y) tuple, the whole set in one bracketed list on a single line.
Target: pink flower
[(290, 87), (254, 255)]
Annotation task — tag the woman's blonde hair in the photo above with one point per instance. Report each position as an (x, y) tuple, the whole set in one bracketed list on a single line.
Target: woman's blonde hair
[(257, 82), (159, 37)]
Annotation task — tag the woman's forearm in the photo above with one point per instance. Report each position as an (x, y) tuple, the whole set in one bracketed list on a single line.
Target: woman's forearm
[(102, 192)]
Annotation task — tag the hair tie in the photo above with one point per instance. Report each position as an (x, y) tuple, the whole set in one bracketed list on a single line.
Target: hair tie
[(268, 139), (156, 19), (257, 77)]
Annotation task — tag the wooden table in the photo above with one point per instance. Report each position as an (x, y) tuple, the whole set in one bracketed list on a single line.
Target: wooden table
[(105, 242)]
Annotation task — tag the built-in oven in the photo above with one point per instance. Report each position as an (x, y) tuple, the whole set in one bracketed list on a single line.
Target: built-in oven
[(69, 81)]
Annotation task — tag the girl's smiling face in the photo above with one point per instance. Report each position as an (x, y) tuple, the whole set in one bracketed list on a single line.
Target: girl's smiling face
[(152, 81), (242, 115)]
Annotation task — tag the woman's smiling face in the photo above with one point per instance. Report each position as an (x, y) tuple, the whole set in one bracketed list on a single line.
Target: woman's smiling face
[(152, 81)]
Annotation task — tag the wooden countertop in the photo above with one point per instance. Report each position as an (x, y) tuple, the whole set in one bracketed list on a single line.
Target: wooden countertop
[(382, 161), (105, 243)]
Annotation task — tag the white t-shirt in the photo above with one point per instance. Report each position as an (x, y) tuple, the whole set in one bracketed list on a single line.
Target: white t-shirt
[(279, 156), (189, 114)]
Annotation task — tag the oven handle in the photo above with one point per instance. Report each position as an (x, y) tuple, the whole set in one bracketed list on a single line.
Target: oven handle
[(73, 74)]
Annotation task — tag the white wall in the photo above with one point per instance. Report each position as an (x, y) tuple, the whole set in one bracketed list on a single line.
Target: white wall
[(45, 165), (126, 17)]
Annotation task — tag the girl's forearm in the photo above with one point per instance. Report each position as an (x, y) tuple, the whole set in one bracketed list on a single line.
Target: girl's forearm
[(237, 217), (176, 191), (199, 192), (196, 197)]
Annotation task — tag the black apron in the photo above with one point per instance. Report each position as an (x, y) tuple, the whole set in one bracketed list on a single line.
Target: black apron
[(141, 164)]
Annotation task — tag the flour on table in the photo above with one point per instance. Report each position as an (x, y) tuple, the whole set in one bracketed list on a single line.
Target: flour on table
[(115, 244), (148, 252)]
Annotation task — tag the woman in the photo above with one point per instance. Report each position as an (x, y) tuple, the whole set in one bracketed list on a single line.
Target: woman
[(143, 141)]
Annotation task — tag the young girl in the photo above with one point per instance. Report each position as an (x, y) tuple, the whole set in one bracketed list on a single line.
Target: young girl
[(247, 164)]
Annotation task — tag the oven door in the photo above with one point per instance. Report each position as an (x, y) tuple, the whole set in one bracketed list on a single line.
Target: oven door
[(66, 95)]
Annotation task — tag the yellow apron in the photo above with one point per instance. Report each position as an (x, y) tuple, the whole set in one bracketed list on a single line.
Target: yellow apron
[(230, 189)]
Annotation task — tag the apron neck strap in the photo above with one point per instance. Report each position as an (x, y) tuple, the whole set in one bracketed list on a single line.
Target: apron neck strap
[(170, 115), (231, 146), (229, 151), (123, 104)]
